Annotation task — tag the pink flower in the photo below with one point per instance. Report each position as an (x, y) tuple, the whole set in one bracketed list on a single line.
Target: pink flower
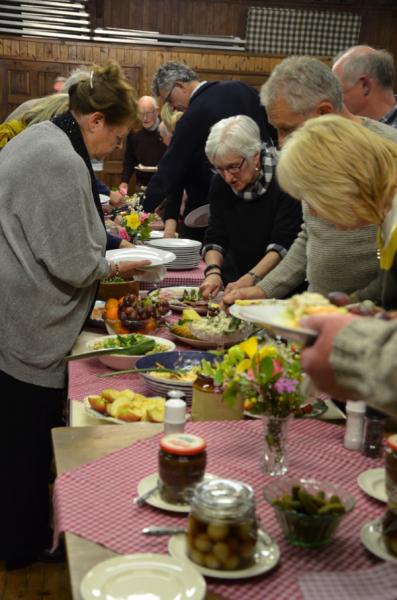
[(123, 234), (143, 216), (283, 385)]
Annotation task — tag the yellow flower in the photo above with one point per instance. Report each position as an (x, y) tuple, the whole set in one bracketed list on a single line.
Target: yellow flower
[(268, 351), (132, 221), (250, 346), (244, 365)]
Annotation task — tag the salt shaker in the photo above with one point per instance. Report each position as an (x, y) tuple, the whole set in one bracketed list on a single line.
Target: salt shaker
[(175, 416), (355, 411), (373, 432)]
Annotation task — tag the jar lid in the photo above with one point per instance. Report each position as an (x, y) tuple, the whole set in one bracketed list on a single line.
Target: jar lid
[(226, 496), (182, 443), (392, 441)]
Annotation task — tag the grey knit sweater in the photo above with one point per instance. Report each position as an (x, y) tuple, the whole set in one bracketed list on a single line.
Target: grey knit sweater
[(364, 360), (52, 247), (328, 258)]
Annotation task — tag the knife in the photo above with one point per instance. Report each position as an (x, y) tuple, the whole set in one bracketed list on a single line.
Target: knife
[(163, 530), (99, 352)]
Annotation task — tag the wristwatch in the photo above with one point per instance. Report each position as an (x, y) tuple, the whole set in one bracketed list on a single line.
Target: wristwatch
[(255, 278)]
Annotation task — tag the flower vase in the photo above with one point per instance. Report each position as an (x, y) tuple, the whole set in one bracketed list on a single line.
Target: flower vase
[(275, 457)]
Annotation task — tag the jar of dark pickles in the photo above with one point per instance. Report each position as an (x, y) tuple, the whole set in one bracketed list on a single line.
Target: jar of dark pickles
[(182, 462), (389, 522), (222, 527)]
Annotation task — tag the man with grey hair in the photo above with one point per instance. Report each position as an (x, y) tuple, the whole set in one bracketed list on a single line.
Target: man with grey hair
[(367, 78), (143, 147), (204, 103), (329, 259)]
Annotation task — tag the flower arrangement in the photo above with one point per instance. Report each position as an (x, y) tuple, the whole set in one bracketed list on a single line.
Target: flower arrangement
[(137, 222), (267, 376)]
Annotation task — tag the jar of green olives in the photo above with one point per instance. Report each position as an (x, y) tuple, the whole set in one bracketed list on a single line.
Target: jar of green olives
[(222, 527)]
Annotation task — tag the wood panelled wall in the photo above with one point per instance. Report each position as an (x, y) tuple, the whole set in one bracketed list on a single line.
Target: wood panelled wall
[(228, 17), (28, 66)]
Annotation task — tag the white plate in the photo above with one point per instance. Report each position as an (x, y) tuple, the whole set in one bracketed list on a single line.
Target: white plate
[(269, 314), (267, 555), (157, 257), (119, 362), (371, 538), (155, 235), (145, 169), (97, 415), (151, 576), (178, 243), (373, 483), (199, 217), (149, 482)]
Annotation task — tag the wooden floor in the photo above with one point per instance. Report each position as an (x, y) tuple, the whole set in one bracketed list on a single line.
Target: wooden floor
[(39, 581)]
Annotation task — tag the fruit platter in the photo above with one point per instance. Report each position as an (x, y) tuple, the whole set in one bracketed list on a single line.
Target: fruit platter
[(133, 313)]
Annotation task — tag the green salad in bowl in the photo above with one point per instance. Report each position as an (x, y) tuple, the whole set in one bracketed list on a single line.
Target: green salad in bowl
[(139, 345)]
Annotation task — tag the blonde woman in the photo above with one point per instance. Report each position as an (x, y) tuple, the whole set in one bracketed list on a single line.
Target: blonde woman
[(42, 110), (348, 175)]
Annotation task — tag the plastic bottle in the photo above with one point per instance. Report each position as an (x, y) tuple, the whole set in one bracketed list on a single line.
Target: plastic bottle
[(354, 434), (175, 416), (374, 430)]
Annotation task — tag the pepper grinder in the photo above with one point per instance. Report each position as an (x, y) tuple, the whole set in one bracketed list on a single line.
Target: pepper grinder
[(355, 411), (374, 431)]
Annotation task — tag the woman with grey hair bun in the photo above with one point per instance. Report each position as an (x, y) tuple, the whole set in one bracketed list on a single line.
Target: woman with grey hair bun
[(252, 222)]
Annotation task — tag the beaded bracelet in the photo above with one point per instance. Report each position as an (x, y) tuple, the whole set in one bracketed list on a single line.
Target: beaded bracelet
[(209, 267)]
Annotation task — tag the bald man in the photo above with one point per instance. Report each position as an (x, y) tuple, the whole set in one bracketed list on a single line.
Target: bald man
[(143, 147), (367, 77)]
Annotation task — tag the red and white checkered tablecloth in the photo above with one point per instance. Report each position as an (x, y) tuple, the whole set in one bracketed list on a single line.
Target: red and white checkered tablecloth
[(95, 500), (191, 277)]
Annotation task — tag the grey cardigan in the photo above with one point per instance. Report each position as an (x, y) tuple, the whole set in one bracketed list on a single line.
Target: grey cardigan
[(52, 247)]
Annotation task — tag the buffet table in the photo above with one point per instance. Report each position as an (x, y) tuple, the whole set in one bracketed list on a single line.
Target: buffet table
[(93, 503)]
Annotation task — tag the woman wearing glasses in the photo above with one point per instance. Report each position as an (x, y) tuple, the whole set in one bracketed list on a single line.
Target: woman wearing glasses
[(252, 222), (52, 244)]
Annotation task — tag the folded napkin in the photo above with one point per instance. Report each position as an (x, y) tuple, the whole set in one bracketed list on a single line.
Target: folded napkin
[(152, 275), (379, 582)]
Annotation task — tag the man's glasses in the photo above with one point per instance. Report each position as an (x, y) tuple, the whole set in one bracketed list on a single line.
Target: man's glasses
[(232, 169)]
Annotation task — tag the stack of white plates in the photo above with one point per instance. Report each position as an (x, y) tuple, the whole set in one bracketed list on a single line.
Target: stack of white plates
[(187, 252)]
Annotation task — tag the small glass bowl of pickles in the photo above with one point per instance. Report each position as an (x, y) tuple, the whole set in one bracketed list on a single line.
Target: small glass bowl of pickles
[(308, 511)]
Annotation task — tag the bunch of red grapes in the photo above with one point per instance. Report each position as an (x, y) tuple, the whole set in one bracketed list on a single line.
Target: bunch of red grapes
[(134, 308)]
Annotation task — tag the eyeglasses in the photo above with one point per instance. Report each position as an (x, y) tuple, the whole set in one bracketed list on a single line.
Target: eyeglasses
[(149, 113), (168, 96), (232, 169)]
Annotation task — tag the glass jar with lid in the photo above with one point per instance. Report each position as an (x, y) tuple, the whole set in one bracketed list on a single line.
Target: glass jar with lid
[(222, 527), (182, 462), (389, 522)]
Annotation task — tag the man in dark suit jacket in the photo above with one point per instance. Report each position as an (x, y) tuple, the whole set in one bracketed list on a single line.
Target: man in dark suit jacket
[(204, 104)]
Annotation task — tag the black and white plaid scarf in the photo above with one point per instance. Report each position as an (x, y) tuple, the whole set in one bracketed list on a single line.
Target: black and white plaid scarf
[(265, 175)]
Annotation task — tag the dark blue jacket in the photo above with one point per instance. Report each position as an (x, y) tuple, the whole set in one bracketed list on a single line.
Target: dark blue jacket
[(213, 101)]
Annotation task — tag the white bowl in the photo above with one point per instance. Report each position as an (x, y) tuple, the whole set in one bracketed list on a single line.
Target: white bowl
[(121, 362)]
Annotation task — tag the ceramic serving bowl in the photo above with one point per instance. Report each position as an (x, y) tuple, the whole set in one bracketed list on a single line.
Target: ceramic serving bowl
[(164, 382)]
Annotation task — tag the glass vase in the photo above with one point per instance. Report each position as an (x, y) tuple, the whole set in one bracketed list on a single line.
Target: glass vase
[(275, 457)]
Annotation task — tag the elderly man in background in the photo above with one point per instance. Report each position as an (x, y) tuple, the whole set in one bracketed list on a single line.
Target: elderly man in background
[(204, 104), (329, 259), (144, 147), (367, 78)]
